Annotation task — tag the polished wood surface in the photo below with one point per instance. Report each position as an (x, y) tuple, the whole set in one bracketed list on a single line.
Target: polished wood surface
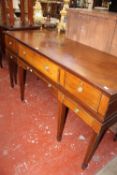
[(82, 90), (91, 65), (93, 28), (17, 26), (11, 44), (83, 114), (85, 78), (114, 42), (46, 67)]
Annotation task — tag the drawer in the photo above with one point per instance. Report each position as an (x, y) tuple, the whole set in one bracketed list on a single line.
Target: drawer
[(86, 93), (27, 67), (11, 44), (39, 62), (84, 115)]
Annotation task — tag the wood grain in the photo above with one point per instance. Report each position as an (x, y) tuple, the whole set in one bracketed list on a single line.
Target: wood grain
[(88, 119), (82, 90), (92, 28), (45, 66), (87, 63), (85, 78), (11, 44)]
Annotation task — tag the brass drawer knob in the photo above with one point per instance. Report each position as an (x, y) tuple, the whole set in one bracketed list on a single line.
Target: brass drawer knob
[(49, 85), (28, 68), (76, 110), (24, 53), (11, 57), (10, 43), (80, 89), (46, 68)]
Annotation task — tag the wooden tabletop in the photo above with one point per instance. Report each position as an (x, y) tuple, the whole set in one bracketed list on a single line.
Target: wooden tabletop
[(96, 67)]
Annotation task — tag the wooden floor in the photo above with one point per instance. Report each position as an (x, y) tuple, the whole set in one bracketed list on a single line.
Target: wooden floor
[(28, 144)]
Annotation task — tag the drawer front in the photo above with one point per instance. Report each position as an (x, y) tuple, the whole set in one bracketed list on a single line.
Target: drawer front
[(83, 91), (84, 115), (11, 44), (26, 67), (39, 62)]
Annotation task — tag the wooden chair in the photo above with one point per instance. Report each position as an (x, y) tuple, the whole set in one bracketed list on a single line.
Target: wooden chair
[(10, 24), (7, 8)]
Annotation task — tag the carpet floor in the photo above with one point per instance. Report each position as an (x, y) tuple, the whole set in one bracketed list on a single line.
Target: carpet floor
[(28, 144)]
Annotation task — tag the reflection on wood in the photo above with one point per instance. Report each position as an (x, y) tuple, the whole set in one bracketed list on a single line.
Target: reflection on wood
[(93, 28)]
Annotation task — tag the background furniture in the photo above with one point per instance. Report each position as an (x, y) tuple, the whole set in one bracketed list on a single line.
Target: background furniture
[(93, 28), (7, 10), (113, 6), (51, 8), (9, 23)]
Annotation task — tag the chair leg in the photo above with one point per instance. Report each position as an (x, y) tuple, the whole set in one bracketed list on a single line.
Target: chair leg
[(95, 140), (62, 115), (22, 79)]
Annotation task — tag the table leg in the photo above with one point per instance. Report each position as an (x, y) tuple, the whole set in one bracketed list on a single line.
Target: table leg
[(1, 56), (1, 63), (115, 137), (1, 60), (10, 64), (15, 73), (22, 79), (62, 115), (1, 49), (94, 142)]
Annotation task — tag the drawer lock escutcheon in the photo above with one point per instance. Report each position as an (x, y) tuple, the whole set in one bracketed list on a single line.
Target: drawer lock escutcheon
[(76, 110), (24, 53), (46, 68), (28, 68), (49, 85), (80, 89)]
